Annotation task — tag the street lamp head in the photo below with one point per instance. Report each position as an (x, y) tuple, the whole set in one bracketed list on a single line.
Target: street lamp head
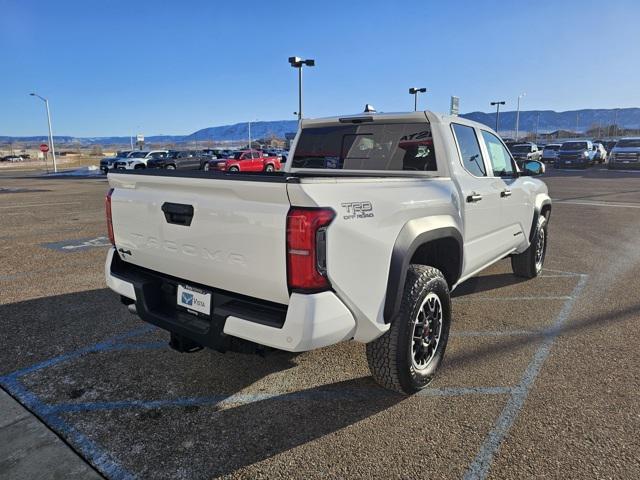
[(498, 103), (297, 62), (40, 97), (414, 90)]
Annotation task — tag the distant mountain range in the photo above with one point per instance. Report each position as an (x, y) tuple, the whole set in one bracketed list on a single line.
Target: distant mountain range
[(543, 120), (548, 121)]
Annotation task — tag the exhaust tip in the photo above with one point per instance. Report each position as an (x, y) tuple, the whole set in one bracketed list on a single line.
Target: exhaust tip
[(132, 308)]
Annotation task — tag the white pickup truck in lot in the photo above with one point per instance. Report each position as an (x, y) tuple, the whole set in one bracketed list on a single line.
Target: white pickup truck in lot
[(372, 223)]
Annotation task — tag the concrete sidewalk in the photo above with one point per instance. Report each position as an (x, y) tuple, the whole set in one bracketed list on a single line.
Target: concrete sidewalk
[(29, 450)]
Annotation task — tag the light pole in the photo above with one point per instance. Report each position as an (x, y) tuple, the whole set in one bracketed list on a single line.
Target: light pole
[(497, 105), (414, 91), (53, 148), (297, 62), (518, 116), (250, 137)]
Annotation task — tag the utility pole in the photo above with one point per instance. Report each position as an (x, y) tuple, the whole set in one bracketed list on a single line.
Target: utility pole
[(250, 133), (577, 124), (497, 105), (537, 125), (518, 116)]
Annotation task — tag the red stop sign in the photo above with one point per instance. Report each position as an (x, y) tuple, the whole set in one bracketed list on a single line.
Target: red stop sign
[(44, 148)]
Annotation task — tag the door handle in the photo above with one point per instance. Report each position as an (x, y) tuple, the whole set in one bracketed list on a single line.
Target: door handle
[(505, 193), (474, 197)]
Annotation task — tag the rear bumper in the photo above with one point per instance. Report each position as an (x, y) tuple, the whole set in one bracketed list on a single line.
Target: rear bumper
[(306, 323)]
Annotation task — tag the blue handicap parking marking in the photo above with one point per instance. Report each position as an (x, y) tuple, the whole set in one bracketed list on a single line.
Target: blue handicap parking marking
[(78, 244)]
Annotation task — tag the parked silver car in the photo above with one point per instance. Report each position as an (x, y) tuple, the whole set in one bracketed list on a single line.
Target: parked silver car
[(550, 152), (626, 153)]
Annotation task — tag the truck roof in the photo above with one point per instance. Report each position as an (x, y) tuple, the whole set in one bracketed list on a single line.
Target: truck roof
[(394, 117)]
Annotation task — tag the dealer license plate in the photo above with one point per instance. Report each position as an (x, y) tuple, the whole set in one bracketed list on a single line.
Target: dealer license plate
[(194, 299)]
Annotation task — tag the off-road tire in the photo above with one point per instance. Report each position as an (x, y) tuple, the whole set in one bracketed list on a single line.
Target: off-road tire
[(390, 356), (526, 263)]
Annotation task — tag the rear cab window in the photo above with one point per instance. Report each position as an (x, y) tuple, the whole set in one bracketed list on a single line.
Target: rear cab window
[(403, 147), (469, 149)]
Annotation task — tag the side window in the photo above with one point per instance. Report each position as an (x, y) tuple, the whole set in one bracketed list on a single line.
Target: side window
[(469, 150), (498, 155)]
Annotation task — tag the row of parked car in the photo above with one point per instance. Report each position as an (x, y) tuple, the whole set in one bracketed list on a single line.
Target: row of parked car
[(249, 160), (12, 158), (624, 153)]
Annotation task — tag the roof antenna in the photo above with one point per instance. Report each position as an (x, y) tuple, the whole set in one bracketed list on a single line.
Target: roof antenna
[(368, 108)]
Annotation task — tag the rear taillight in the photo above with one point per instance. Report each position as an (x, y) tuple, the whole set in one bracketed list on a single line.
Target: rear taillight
[(307, 248), (107, 206)]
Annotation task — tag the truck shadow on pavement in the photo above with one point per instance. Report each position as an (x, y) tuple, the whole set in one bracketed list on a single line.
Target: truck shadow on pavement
[(210, 442), (485, 283), (128, 392)]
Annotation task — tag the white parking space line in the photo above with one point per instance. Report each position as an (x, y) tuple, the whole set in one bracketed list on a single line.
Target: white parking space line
[(479, 468), (496, 333), (564, 275), (568, 274), (598, 204), (508, 299), (616, 170), (459, 391), (27, 205)]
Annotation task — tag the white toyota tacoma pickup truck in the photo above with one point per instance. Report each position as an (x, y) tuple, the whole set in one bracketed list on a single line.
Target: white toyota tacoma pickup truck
[(372, 223)]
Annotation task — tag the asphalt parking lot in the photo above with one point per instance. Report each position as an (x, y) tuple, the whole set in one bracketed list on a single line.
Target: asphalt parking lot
[(541, 377)]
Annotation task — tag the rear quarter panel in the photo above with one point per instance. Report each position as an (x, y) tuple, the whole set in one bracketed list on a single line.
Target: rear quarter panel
[(369, 216)]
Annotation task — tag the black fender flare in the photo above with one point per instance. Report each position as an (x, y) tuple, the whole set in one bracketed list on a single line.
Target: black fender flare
[(409, 240), (536, 214)]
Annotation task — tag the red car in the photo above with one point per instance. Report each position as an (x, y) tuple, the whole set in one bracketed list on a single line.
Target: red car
[(245, 161)]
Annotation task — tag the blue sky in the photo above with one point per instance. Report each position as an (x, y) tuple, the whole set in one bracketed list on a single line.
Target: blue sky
[(116, 68)]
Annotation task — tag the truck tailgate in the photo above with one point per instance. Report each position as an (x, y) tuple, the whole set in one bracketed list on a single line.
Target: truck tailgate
[(235, 241)]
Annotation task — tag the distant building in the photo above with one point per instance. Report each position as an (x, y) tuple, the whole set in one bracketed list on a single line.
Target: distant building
[(289, 138)]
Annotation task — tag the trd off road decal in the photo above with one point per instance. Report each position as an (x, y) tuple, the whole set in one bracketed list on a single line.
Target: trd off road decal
[(357, 210)]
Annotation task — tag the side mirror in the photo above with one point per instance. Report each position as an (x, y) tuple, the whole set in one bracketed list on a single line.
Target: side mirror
[(532, 168)]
